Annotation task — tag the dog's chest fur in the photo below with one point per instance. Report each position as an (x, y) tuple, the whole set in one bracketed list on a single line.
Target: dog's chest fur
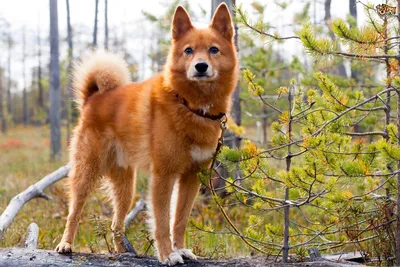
[(200, 154)]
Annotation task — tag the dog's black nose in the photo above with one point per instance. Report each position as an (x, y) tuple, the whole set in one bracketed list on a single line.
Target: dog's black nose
[(201, 67)]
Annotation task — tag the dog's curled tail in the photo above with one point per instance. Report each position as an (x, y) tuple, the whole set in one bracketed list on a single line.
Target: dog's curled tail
[(98, 72)]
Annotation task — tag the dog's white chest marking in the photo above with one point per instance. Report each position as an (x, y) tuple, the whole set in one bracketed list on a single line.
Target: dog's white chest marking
[(201, 154), (206, 108)]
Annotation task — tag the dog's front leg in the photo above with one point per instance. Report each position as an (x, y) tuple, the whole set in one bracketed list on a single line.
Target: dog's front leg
[(161, 190), (187, 191)]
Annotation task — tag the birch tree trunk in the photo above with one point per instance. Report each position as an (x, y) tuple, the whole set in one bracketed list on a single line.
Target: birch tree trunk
[(96, 11), (55, 99)]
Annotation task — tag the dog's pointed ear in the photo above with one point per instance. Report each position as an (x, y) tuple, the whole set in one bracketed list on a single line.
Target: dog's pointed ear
[(222, 22), (181, 23)]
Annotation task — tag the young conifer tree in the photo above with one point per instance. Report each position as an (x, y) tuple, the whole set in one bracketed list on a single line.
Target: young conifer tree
[(329, 175)]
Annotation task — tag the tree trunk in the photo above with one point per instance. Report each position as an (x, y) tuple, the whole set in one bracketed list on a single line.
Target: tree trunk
[(55, 98), (96, 11), (70, 58), (327, 18), (236, 112), (327, 7), (24, 93), (106, 24), (39, 73), (2, 113), (353, 12), (353, 72), (265, 124), (9, 104), (353, 8)]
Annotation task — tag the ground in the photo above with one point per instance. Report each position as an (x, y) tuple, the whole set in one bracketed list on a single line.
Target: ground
[(35, 258)]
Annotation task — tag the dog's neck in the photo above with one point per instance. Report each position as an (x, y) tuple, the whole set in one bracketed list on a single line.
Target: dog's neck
[(202, 112)]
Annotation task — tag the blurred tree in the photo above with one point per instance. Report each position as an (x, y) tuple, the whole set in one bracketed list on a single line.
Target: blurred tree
[(340, 70), (2, 111), (106, 24), (9, 80), (55, 120), (41, 102), (69, 105), (24, 92), (353, 13), (96, 11), (161, 36)]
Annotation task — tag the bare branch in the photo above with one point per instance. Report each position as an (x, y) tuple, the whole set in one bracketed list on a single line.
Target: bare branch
[(33, 191)]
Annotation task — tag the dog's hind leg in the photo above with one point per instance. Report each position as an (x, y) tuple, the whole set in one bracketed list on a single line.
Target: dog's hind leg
[(82, 179), (122, 192), (187, 191)]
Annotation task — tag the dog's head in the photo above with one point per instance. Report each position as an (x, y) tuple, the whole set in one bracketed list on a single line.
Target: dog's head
[(202, 55)]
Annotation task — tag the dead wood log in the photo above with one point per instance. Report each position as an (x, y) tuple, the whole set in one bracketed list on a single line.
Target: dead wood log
[(33, 191), (33, 235), (314, 254), (17, 257), (140, 206)]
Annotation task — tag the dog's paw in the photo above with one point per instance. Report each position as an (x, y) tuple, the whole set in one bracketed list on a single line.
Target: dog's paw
[(173, 259), (186, 253), (64, 247)]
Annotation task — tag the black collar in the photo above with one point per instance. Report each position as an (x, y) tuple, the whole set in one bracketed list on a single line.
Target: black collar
[(200, 112)]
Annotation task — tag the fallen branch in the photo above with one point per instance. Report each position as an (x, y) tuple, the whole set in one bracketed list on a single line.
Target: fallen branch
[(33, 191), (140, 206), (33, 234)]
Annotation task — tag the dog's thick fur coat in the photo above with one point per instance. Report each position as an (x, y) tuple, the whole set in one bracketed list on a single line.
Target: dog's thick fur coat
[(125, 126)]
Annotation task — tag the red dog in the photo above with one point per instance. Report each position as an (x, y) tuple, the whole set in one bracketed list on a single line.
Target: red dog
[(168, 124)]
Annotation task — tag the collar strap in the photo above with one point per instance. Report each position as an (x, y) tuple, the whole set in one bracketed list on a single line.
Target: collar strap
[(200, 112)]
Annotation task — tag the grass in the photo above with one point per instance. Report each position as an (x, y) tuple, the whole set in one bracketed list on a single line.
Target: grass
[(25, 158)]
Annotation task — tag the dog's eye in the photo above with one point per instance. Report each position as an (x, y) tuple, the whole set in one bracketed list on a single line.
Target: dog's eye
[(213, 50), (188, 51)]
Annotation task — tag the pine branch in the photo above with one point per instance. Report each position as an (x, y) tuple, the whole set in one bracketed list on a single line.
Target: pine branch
[(383, 134), (242, 17)]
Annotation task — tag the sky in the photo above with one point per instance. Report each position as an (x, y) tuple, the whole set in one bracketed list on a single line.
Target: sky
[(33, 15)]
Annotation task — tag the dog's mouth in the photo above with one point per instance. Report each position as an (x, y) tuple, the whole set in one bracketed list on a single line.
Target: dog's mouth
[(202, 77)]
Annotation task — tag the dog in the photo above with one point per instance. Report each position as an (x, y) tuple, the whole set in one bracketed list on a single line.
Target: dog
[(168, 124)]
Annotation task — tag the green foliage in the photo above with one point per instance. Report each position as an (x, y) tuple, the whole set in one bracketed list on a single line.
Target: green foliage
[(354, 34), (316, 47)]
